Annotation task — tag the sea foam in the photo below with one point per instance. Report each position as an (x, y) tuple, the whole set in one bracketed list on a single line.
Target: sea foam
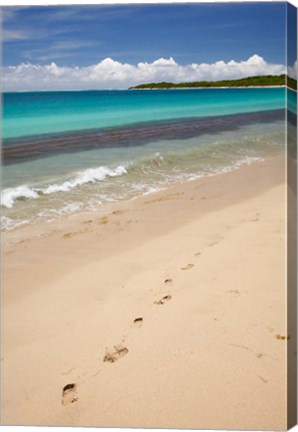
[(8, 223), (90, 175), (9, 195)]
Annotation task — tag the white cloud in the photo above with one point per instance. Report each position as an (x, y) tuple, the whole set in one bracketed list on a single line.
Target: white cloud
[(14, 35), (57, 50), (113, 74)]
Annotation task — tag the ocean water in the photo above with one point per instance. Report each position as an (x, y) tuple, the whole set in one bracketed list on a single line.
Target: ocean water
[(67, 152)]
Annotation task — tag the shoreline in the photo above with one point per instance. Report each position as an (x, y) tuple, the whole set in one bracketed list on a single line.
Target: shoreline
[(172, 303), (43, 227)]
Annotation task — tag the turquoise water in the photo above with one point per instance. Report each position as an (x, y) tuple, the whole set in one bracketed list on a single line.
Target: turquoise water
[(292, 101), (48, 112), (67, 152)]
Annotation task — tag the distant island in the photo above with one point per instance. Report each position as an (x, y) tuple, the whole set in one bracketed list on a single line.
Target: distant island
[(256, 81)]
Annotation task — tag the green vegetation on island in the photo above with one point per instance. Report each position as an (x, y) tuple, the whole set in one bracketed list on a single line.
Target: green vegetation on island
[(292, 83), (256, 81)]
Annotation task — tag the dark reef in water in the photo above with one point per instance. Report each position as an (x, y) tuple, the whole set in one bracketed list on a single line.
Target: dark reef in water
[(21, 149)]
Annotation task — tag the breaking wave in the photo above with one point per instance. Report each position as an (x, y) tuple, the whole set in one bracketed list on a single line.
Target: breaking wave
[(10, 195), (90, 175)]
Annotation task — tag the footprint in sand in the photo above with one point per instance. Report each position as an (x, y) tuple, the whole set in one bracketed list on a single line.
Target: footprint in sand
[(214, 243), (113, 356), (166, 198), (189, 266), (69, 394), (118, 212), (262, 379), (138, 322), (68, 235), (163, 300), (280, 337), (168, 280)]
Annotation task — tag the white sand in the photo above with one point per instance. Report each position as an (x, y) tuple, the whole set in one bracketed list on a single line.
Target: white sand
[(203, 264)]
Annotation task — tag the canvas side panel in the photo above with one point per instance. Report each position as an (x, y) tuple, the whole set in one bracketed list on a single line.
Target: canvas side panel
[(291, 126)]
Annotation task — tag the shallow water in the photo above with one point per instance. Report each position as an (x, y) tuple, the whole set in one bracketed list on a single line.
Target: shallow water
[(47, 175)]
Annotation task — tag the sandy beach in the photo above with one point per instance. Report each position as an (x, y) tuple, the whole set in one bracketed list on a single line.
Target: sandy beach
[(165, 311)]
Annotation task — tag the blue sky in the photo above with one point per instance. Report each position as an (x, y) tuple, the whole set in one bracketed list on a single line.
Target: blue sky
[(200, 33)]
